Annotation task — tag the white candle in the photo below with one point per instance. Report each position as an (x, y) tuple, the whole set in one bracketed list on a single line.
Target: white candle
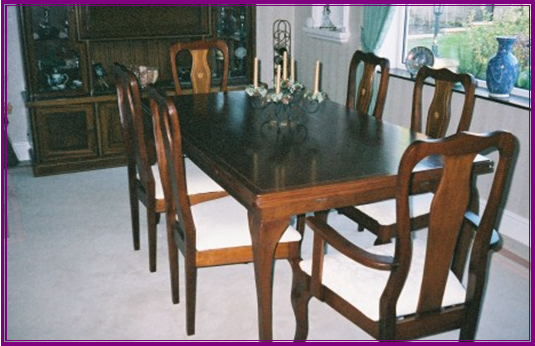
[(316, 77), (255, 73), (285, 66), (292, 69), (278, 80)]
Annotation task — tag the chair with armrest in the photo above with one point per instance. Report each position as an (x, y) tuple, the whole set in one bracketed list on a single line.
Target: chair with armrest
[(201, 73), (379, 217), (210, 233), (413, 287), (361, 98), (143, 176)]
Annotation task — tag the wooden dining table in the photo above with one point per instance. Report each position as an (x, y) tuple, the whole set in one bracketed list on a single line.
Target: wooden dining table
[(328, 157)]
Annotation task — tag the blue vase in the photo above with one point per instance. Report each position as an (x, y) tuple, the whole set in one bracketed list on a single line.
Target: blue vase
[(502, 69)]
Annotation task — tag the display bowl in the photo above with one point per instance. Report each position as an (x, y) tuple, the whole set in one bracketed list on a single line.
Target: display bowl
[(145, 74)]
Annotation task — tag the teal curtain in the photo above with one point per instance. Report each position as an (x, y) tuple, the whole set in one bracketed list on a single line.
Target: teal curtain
[(376, 20)]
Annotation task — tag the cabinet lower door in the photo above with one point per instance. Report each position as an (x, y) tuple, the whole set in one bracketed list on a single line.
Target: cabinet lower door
[(64, 136), (110, 129)]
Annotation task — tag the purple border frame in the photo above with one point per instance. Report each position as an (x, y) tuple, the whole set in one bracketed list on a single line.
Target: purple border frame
[(4, 135)]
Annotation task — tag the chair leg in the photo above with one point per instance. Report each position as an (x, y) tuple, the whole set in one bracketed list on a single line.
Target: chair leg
[(468, 333), (134, 214), (300, 298), (360, 228), (174, 265), (300, 224), (191, 296), (469, 327), (152, 225)]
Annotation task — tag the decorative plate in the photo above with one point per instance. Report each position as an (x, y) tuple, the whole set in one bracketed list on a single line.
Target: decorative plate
[(240, 52), (418, 57)]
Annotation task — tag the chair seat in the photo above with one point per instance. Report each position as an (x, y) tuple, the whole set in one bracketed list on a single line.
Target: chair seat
[(223, 223), (196, 179), (362, 287), (384, 212)]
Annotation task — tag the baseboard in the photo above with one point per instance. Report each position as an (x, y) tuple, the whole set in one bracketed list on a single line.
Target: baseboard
[(515, 251), (516, 227), (513, 226), (22, 149)]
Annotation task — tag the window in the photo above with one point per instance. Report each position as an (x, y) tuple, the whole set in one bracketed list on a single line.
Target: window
[(463, 37)]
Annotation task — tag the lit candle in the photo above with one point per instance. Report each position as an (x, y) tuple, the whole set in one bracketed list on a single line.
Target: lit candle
[(316, 77), (285, 65), (278, 80), (292, 69), (255, 73)]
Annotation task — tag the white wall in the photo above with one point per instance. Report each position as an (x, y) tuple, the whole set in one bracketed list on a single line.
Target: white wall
[(18, 121), (266, 15)]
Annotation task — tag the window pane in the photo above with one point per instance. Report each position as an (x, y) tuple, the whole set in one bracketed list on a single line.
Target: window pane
[(464, 37)]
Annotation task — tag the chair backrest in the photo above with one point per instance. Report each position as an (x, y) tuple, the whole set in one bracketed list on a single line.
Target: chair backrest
[(439, 113), (171, 164), (361, 99), (139, 148), (447, 217), (201, 74)]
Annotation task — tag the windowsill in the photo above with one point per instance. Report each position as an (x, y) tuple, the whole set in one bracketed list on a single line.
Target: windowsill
[(482, 93), (338, 36)]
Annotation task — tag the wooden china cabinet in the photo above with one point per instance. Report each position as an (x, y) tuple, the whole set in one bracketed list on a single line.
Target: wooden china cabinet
[(69, 53)]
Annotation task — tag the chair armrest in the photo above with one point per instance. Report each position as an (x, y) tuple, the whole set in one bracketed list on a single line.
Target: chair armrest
[(474, 219), (349, 249)]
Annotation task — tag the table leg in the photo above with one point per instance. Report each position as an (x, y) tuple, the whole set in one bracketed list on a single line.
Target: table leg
[(265, 235)]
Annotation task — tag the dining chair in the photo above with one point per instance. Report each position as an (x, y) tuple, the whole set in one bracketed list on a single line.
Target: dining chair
[(144, 183), (360, 97), (211, 233), (201, 72), (413, 287), (379, 217)]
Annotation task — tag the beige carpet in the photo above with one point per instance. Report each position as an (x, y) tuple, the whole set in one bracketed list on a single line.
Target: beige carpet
[(71, 274)]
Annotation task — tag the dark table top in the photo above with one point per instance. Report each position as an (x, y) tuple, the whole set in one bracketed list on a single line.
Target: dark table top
[(333, 145)]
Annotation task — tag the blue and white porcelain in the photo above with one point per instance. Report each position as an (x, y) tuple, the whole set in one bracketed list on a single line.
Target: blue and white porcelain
[(502, 69)]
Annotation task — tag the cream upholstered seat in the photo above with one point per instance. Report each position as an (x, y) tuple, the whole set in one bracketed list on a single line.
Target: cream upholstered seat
[(198, 182), (223, 223), (362, 287), (383, 211)]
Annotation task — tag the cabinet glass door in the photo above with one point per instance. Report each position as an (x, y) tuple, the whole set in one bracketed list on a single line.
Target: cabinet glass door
[(54, 60), (235, 25)]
